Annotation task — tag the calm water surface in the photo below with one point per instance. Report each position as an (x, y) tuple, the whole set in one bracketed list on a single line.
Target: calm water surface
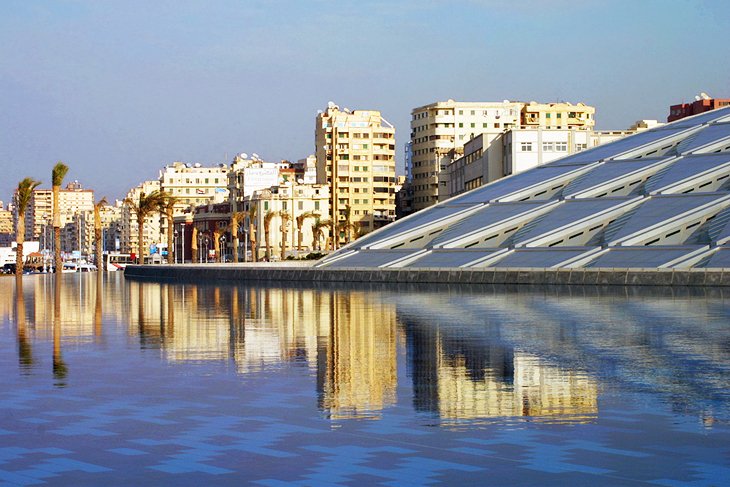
[(107, 381)]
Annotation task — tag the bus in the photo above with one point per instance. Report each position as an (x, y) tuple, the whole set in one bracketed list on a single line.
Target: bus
[(115, 261)]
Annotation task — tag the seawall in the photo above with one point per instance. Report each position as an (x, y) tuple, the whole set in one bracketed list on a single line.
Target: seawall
[(293, 273)]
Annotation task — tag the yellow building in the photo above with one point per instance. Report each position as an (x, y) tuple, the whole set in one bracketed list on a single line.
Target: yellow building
[(355, 152), (440, 130)]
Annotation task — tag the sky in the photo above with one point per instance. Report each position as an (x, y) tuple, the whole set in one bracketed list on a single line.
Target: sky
[(119, 89)]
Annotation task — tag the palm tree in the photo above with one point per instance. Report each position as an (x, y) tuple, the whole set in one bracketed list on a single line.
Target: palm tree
[(23, 195), (300, 223), (267, 238), (57, 174), (236, 218), (252, 210), (97, 232), (166, 205), (285, 219), (346, 226), (318, 231), (148, 203)]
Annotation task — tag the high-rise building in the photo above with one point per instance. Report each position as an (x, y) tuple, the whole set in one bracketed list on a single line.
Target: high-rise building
[(355, 152), (703, 103), (128, 224), (193, 184), (440, 130)]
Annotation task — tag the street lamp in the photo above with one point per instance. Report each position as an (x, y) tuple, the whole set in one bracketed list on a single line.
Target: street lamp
[(182, 243), (222, 257), (174, 246)]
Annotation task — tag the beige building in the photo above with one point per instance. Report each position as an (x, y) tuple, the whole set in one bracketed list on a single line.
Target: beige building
[(7, 227), (355, 153), (128, 224), (440, 130), (249, 174), (194, 184), (295, 200)]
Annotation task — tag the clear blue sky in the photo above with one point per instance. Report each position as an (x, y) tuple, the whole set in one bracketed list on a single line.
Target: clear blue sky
[(118, 89)]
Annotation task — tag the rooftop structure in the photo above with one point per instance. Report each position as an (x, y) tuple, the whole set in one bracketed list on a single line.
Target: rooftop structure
[(656, 199)]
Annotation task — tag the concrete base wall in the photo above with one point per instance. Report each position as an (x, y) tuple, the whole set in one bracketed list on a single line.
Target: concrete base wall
[(601, 277)]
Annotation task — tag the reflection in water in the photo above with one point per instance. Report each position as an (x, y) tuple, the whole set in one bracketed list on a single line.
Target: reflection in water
[(60, 370), (470, 354), (25, 349)]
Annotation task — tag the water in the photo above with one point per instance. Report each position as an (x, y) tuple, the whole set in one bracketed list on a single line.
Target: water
[(107, 381)]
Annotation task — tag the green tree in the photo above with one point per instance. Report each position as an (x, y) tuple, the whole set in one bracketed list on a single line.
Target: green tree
[(236, 218), (23, 195), (57, 174), (147, 204), (346, 226), (318, 228)]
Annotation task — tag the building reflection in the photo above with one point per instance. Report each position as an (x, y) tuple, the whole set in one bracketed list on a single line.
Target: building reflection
[(459, 376)]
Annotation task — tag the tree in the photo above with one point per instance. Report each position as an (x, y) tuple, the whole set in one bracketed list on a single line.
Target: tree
[(252, 210), (166, 205), (267, 226), (318, 231), (57, 174), (23, 195), (97, 232), (300, 223), (236, 218), (285, 219), (147, 204), (346, 226)]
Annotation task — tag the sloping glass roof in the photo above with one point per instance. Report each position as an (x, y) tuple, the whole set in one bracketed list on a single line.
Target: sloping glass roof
[(372, 258), (422, 218), (707, 135), (687, 167), (641, 257), (489, 215), (612, 170), (680, 198), (542, 175), (721, 258), (719, 115), (539, 257), (451, 257), (661, 208), (568, 212)]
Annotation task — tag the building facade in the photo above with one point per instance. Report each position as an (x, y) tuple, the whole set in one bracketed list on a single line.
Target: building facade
[(128, 229), (355, 154), (440, 130), (703, 103)]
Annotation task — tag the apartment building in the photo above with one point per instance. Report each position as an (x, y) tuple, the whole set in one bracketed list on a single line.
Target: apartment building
[(702, 103), (355, 154), (440, 130), (194, 184), (128, 229), (490, 156), (249, 174), (39, 214), (303, 203)]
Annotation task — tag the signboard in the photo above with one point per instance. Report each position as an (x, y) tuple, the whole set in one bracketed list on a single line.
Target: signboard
[(255, 178)]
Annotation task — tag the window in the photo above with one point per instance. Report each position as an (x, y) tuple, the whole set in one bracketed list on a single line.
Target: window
[(561, 146), (547, 115), (473, 112), (484, 125), (266, 206), (206, 181), (473, 125), (461, 125), (496, 125), (461, 112), (300, 205), (580, 147), (560, 115), (316, 205), (547, 146), (526, 146), (283, 205)]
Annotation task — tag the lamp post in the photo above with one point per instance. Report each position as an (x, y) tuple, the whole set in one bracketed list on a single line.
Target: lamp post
[(182, 243), (200, 248), (174, 246), (222, 257)]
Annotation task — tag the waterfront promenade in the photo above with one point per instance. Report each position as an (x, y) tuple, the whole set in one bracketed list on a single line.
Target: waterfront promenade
[(306, 272)]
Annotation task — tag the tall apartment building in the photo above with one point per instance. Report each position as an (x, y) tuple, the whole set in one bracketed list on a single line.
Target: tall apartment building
[(7, 228), (247, 175), (39, 213), (194, 184), (128, 228), (703, 103), (440, 130), (355, 152)]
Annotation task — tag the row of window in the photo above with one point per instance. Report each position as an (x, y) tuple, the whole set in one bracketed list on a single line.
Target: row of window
[(551, 147)]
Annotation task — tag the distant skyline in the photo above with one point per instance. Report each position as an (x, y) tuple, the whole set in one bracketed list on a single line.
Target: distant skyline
[(119, 89)]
